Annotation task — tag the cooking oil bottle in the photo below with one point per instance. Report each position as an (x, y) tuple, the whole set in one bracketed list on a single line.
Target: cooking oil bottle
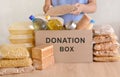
[(54, 23), (38, 23)]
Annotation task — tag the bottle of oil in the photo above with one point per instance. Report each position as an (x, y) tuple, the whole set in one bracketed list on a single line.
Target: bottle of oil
[(55, 23), (38, 23)]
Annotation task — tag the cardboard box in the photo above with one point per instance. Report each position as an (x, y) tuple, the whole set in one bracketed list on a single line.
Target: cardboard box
[(42, 51), (69, 45), (43, 63)]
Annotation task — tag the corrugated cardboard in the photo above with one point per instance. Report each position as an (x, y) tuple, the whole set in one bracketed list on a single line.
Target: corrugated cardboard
[(42, 51), (75, 52), (60, 10), (43, 63)]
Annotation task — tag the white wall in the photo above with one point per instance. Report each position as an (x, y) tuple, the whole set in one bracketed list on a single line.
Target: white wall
[(107, 11), (15, 11), (19, 10)]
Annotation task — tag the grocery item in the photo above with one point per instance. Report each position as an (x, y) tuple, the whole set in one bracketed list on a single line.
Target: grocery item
[(70, 26), (103, 30), (106, 53), (8, 63), (104, 38), (22, 33), (20, 39), (60, 10), (42, 51), (55, 24), (44, 63), (13, 56), (61, 20), (107, 59), (47, 17), (38, 23), (90, 25), (86, 23), (29, 46), (106, 46), (42, 56), (8, 71), (21, 28), (10, 51)]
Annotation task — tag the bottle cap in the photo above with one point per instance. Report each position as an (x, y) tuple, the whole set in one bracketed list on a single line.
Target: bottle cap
[(92, 21), (31, 17), (47, 17)]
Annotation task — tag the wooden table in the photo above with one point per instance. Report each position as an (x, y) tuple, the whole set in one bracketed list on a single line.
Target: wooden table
[(111, 69)]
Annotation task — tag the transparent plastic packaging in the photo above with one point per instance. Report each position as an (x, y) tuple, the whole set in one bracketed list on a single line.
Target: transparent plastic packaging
[(11, 71), (103, 30), (20, 39), (38, 23), (55, 24), (29, 47), (106, 53), (10, 51), (106, 46), (107, 59), (21, 28), (14, 59), (9, 63), (104, 38)]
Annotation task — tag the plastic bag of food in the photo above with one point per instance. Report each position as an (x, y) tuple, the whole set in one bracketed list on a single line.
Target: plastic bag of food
[(8, 71), (104, 38), (106, 53), (106, 46), (103, 30)]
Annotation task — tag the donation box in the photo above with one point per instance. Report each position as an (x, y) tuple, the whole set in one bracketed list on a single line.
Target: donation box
[(70, 46)]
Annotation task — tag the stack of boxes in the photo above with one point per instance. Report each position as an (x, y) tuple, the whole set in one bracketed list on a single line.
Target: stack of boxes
[(106, 47), (22, 33), (42, 56)]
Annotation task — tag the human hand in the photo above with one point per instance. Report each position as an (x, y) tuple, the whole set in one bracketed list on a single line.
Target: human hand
[(46, 8), (78, 9)]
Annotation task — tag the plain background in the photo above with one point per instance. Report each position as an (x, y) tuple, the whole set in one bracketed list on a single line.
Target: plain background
[(19, 10)]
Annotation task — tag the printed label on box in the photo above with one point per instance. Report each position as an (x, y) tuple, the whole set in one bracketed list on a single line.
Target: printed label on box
[(69, 45)]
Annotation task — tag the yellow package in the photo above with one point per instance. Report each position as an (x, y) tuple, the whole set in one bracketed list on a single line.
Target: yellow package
[(10, 51), (29, 46), (20, 39), (20, 28)]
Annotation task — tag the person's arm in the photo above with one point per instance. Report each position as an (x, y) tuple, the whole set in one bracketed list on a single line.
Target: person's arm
[(90, 7), (47, 5), (86, 8)]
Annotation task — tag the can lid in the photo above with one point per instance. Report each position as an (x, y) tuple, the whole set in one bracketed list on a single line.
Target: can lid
[(32, 17)]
